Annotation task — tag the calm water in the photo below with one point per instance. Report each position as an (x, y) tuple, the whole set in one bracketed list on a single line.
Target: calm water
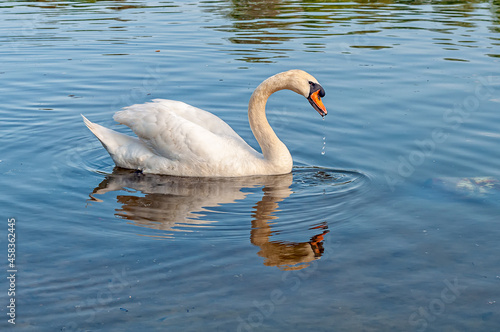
[(395, 227)]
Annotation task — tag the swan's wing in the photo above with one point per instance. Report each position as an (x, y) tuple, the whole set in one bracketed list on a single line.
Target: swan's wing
[(197, 116), (179, 131)]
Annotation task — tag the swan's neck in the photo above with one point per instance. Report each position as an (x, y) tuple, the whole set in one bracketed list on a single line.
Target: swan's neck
[(274, 151)]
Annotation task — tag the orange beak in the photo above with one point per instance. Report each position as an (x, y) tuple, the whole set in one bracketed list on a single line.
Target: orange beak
[(317, 104)]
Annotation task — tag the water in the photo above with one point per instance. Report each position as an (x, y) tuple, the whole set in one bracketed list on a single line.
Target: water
[(393, 228)]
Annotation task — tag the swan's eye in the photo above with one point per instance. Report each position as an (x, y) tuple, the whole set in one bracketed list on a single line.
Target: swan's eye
[(317, 87)]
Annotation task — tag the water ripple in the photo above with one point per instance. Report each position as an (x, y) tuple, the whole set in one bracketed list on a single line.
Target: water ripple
[(270, 210)]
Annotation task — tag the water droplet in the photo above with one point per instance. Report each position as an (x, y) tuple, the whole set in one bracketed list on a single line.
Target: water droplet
[(323, 149)]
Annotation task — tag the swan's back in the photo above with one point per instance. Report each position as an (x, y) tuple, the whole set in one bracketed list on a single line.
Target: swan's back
[(148, 116), (186, 140)]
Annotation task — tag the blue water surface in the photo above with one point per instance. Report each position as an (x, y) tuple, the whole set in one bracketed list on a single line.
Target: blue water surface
[(388, 222)]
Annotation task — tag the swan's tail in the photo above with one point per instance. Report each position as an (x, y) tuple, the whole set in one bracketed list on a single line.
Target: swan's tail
[(110, 139)]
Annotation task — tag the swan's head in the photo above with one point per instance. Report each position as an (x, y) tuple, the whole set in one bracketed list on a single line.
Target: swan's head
[(305, 84), (316, 92)]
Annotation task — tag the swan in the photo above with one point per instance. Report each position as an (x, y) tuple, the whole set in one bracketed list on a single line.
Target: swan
[(178, 139)]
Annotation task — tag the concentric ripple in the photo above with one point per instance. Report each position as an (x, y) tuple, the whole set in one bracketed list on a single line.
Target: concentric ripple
[(287, 216)]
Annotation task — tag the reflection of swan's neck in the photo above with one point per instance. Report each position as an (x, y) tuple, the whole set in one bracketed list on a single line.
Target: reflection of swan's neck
[(273, 149)]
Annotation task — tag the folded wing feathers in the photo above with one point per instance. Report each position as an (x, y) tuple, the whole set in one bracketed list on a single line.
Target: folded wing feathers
[(177, 130), (174, 138)]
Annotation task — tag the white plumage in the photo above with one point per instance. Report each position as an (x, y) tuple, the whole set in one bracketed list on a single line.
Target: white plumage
[(175, 138)]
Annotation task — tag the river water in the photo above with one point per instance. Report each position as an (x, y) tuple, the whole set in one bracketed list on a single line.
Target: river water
[(388, 222)]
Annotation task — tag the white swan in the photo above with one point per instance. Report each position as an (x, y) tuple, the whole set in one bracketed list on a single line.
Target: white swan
[(178, 139)]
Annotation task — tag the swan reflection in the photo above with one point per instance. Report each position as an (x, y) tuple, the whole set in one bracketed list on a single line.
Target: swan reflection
[(173, 204)]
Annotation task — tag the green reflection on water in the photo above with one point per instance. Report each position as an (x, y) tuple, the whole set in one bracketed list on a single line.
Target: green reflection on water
[(265, 31), (267, 25)]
